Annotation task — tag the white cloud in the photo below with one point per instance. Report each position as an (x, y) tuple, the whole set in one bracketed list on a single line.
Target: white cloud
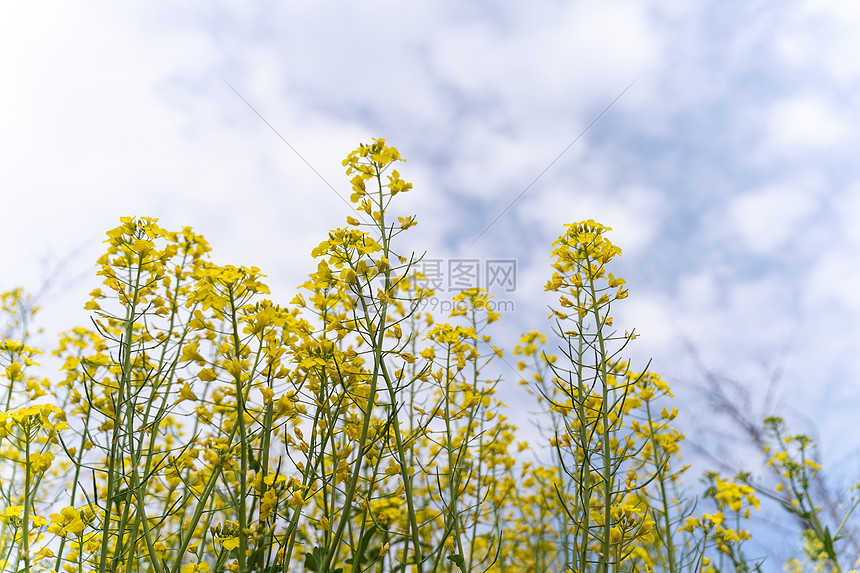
[(846, 208), (766, 219), (545, 64), (834, 280), (636, 214), (807, 123), (821, 36)]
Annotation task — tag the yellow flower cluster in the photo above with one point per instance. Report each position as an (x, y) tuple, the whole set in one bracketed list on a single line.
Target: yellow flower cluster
[(211, 429), (580, 258), (32, 418), (71, 520)]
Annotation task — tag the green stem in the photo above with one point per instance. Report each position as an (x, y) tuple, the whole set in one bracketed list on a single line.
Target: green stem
[(661, 480), (243, 442), (124, 382), (25, 533), (604, 415)]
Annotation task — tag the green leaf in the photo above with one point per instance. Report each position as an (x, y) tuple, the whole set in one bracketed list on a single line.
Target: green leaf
[(360, 554), (121, 495), (828, 544), (458, 561), (313, 561), (365, 539)]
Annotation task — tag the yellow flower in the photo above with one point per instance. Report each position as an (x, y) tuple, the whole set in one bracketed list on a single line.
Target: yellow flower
[(297, 500), (692, 523), (13, 511), (406, 222), (185, 393), (43, 553), (13, 371), (195, 567), (207, 375), (393, 468), (191, 352), (76, 527)]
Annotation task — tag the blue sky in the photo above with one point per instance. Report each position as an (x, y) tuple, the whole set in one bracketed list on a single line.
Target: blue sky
[(728, 170)]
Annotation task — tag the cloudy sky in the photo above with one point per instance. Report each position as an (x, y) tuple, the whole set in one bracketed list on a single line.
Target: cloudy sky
[(728, 169)]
